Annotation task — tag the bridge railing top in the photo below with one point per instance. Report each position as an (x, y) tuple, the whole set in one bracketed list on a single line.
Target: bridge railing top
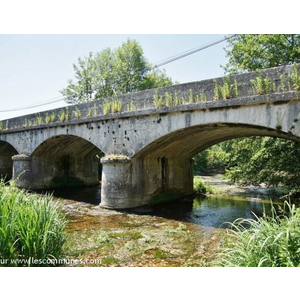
[(267, 81)]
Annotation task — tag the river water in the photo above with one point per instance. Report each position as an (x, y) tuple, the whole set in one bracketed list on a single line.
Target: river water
[(188, 232)]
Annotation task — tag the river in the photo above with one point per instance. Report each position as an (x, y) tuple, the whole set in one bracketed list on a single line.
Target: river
[(188, 232)]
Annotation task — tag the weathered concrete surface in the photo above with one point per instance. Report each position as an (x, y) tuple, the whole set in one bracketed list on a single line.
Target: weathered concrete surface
[(6, 153), (149, 151)]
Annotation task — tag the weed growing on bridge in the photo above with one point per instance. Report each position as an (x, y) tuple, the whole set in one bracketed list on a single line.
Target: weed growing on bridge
[(62, 115), (106, 107), (77, 113), (1, 125), (282, 83), (116, 106), (39, 120), (158, 100), (92, 111), (131, 106), (47, 118), (217, 93), (169, 99), (227, 90), (295, 77), (262, 85), (53, 117), (191, 96)]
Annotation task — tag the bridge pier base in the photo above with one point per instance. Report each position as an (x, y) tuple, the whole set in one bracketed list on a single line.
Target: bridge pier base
[(130, 183), (116, 183), (22, 170)]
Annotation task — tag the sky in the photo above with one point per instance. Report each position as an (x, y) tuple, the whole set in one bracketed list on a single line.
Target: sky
[(35, 67)]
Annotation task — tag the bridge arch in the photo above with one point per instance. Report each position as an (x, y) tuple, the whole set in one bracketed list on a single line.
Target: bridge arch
[(191, 140), (163, 169), (7, 151), (64, 161)]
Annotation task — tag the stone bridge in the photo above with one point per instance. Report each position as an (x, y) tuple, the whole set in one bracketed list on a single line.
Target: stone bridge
[(147, 148)]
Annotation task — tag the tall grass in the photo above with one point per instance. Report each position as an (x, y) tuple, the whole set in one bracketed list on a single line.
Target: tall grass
[(271, 241), (31, 227)]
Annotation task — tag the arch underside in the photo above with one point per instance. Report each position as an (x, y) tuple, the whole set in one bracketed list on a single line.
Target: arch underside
[(6, 164), (65, 160), (192, 140)]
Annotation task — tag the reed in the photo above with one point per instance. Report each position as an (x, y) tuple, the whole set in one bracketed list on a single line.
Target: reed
[(270, 241), (32, 227)]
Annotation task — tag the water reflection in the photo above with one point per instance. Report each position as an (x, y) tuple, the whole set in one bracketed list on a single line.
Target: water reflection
[(213, 211), (217, 211)]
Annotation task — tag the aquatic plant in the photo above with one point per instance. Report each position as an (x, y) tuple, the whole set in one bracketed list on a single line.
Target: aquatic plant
[(201, 188), (32, 228), (270, 241)]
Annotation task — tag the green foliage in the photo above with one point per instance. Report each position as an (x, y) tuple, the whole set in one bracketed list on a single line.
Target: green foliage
[(201, 188), (106, 107), (158, 100), (131, 106), (31, 226), (169, 99), (257, 160), (262, 85), (112, 72), (1, 125), (62, 115), (53, 117), (217, 93), (77, 113), (47, 118), (92, 111), (250, 52), (295, 78), (212, 160), (264, 160), (264, 242), (116, 106), (39, 120), (282, 83)]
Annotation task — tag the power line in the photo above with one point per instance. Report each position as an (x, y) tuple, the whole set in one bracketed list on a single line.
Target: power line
[(50, 101), (157, 65), (192, 51)]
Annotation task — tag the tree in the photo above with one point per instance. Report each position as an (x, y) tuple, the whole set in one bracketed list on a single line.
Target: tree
[(257, 160), (112, 72), (250, 52)]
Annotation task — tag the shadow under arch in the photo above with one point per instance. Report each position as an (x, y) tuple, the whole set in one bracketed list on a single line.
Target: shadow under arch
[(189, 141), (65, 161), (7, 151)]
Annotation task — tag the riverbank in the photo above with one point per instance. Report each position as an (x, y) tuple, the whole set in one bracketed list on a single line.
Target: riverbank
[(178, 233)]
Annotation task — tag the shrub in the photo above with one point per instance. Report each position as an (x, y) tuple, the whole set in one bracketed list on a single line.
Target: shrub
[(201, 188), (31, 227), (270, 241)]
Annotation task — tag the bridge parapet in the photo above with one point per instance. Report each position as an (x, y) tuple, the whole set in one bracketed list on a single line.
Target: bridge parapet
[(203, 94)]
